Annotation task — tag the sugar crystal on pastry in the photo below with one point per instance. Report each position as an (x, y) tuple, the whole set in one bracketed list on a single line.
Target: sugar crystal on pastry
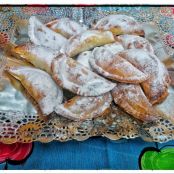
[(39, 34), (81, 108), (133, 41), (40, 56), (156, 86), (40, 86), (78, 79), (87, 40), (119, 24), (106, 62), (131, 98), (66, 27)]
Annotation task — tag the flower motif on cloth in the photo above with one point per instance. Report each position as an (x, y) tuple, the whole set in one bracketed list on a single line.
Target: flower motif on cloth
[(167, 11), (169, 40), (15, 153)]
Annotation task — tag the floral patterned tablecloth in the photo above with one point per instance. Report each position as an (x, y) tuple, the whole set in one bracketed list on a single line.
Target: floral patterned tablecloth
[(163, 17), (94, 153)]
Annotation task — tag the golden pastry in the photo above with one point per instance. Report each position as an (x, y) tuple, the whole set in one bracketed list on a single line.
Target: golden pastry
[(40, 56), (40, 86), (39, 34), (86, 41), (13, 62), (18, 86), (133, 41), (106, 62), (78, 79), (131, 98), (81, 108), (157, 85), (66, 27), (119, 24)]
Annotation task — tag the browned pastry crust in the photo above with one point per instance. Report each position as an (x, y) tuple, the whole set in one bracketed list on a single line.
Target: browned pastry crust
[(86, 41), (40, 86), (13, 62), (119, 24), (40, 56), (66, 27), (133, 41), (71, 75), (81, 108), (39, 34), (131, 98), (109, 64), (156, 87), (18, 86)]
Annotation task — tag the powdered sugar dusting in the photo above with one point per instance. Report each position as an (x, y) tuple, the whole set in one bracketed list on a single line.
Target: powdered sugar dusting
[(87, 40), (94, 33), (107, 51), (41, 56), (106, 62), (78, 79), (131, 98), (133, 41), (37, 81), (126, 23), (41, 35), (66, 27), (82, 108), (158, 82), (84, 57)]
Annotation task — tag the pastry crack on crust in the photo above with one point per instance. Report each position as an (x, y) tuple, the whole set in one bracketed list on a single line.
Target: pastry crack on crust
[(100, 81)]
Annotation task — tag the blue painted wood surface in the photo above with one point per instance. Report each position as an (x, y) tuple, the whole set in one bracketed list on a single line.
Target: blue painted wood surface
[(92, 154)]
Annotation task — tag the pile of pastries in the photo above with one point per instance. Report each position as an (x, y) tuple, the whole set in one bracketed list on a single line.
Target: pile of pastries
[(111, 62)]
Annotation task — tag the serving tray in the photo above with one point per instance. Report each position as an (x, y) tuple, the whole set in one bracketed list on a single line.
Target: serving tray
[(19, 121)]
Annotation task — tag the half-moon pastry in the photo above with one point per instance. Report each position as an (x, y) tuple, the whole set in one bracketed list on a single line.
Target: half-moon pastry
[(106, 62), (133, 41), (156, 86), (131, 98), (84, 57), (19, 87), (87, 40), (78, 79), (66, 27), (40, 56), (119, 24), (81, 108), (40, 86), (39, 34)]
